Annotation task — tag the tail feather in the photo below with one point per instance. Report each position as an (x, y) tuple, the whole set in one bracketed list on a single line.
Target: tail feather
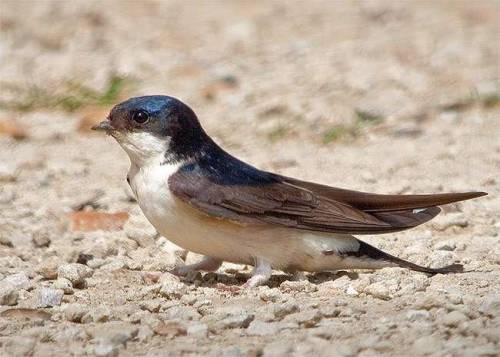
[(366, 250)]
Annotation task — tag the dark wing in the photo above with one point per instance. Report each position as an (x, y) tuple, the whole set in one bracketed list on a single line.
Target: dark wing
[(370, 202), (293, 204)]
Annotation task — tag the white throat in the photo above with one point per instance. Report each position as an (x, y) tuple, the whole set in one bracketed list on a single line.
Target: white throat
[(143, 148)]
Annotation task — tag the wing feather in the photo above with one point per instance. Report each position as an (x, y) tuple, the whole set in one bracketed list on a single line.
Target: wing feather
[(223, 186)]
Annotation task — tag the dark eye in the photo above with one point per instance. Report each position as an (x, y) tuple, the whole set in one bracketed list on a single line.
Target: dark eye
[(140, 117)]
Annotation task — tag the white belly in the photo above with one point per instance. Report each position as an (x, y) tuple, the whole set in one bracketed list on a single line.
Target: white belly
[(229, 241)]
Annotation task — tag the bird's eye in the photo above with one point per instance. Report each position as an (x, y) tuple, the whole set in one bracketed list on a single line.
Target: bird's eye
[(140, 116)]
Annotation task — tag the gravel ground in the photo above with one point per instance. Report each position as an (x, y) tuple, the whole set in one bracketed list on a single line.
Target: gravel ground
[(389, 97)]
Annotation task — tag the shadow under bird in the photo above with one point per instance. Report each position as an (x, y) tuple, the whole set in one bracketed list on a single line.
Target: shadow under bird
[(209, 202)]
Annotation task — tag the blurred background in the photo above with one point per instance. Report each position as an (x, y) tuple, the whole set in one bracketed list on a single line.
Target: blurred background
[(382, 96), (321, 70)]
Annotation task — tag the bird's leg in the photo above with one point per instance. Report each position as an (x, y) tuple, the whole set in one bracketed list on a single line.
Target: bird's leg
[(260, 274), (206, 264)]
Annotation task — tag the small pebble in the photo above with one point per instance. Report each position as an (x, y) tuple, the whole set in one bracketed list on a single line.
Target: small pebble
[(271, 295), (18, 280), (241, 320), (75, 312), (261, 328), (378, 290), (298, 286), (8, 294), (48, 268), (198, 329), (41, 239), (48, 297), (491, 305), (453, 319), (287, 308), (171, 287), (76, 273), (65, 285), (448, 245), (308, 318), (416, 315)]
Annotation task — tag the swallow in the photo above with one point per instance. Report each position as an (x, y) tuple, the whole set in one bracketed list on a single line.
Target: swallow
[(209, 202)]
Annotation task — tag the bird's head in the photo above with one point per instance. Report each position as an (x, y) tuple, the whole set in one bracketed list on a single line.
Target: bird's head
[(155, 128)]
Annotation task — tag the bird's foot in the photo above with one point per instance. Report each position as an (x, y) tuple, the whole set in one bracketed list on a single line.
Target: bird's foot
[(260, 275), (206, 264)]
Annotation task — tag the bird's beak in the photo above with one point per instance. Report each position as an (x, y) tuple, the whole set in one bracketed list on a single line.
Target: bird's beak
[(103, 126)]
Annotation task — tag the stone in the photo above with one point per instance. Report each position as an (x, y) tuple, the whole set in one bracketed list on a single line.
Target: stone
[(170, 329), (140, 231), (329, 310), (5, 239), (241, 320), (448, 245), (198, 329), (8, 172), (453, 319), (415, 315), (75, 273), (351, 291), (281, 310), (65, 285), (171, 287), (144, 333), (308, 318), (184, 313), (298, 286), (18, 280), (261, 328), (70, 334), (490, 305), (378, 290), (427, 345), (8, 294), (270, 295), (113, 264), (103, 349), (277, 348), (75, 312), (41, 239), (96, 263), (455, 219), (492, 334), (48, 297), (101, 314), (48, 268), (111, 336)]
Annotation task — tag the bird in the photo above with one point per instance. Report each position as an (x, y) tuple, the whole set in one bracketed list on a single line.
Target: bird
[(207, 201)]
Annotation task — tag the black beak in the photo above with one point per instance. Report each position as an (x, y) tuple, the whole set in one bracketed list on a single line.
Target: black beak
[(103, 126)]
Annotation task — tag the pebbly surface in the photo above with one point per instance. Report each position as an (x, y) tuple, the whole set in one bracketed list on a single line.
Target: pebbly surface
[(389, 97)]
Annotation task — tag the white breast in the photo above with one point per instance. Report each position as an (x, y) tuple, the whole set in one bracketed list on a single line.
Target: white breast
[(177, 221), (150, 186)]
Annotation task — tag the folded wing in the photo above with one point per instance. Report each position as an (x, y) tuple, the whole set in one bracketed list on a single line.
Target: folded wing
[(308, 206)]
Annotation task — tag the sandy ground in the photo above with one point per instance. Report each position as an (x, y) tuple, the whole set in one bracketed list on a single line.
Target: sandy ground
[(389, 97)]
